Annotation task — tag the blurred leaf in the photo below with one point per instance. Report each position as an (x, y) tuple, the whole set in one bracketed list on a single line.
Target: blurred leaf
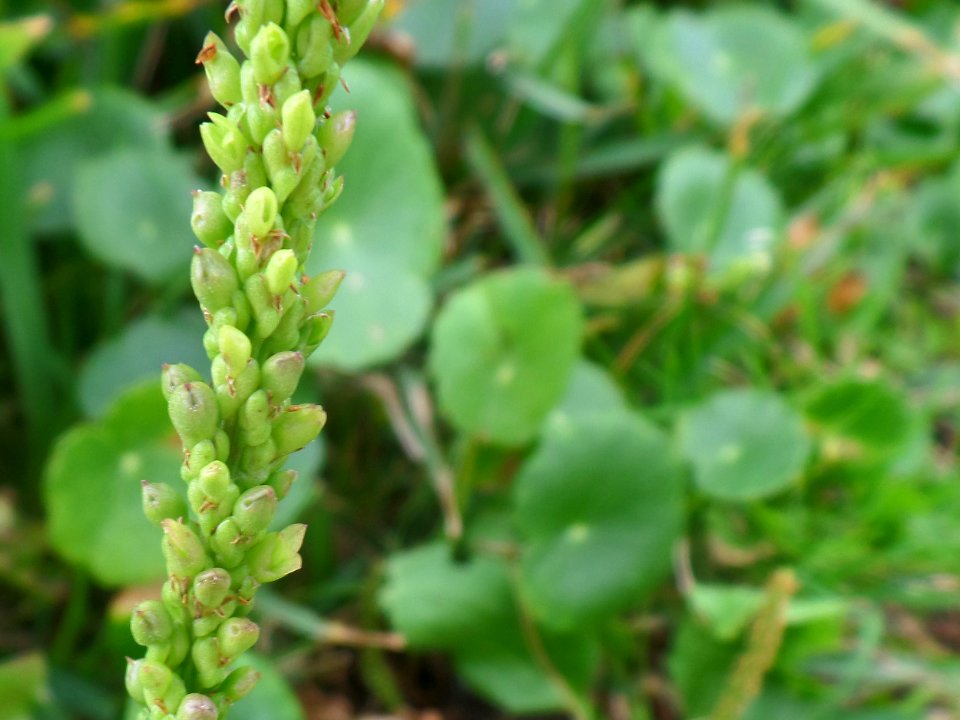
[(138, 354), (538, 26), (92, 488), (272, 697), (392, 202), (468, 608), (17, 37), (727, 610), (734, 60), (600, 505), (466, 597), (104, 120), (709, 207), (381, 309), (871, 413), (387, 228), (133, 211), (744, 444), (698, 665), (23, 682), (590, 393), (502, 352), (447, 33)]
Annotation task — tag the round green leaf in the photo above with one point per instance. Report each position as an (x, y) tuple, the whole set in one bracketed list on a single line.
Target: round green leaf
[(735, 60), (591, 392), (869, 412), (744, 444), (736, 228), (392, 201), (133, 211), (137, 354), (502, 352), (381, 308), (272, 697), (92, 488), (436, 602), (600, 505)]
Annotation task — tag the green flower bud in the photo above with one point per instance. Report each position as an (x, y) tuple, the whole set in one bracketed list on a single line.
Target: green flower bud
[(287, 86), (315, 331), (222, 443), (193, 411), (262, 304), (150, 623), (269, 53), (336, 134), (132, 680), (319, 290), (281, 271), (182, 550), (281, 375), (225, 543), (237, 635), (315, 47), (298, 120), (179, 644), (235, 348), (211, 587), (296, 426), (282, 481), (260, 211), (209, 222), (359, 31), (303, 205), (207, 660), (200, 455), (255, 418), (214, 479), (254, 509), (154, 677), (284, 177), (349, 10), (222, 69), (174, 376), (197, 707), (257, 462), (239, 683), (277, 554), (160, 502), (287, 334), (172, 597), (213, 279), (225, 143)]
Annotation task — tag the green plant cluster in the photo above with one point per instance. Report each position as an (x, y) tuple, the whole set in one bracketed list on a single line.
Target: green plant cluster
[(644, 372), (264, 319)]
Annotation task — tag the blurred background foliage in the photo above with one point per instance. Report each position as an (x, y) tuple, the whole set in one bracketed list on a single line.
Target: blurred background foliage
[(643, 389)]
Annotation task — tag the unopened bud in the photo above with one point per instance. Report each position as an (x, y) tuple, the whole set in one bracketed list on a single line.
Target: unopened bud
[(213, 279), (225, 542), (222, 69), (225, 143), (281, 375), (239, 683), (254, 509), (207, 660), (359, 31), (297, 426), (254, 418), (132, 680), (277, 554), (235, 348), (160, 502), (260, 211), (314, 47), (211, 587), (261, 303), (319, 290), (315, 331), (298, 120), (282, 481), (281, 271), (201, 455), (269, 53), (154, 677), (279, 165), (182, 550), (193, 412), (237, 635), (197, 707), (150, 623), (214, 479), (336, 134), (349, 10), (173, 376), (209, 222)]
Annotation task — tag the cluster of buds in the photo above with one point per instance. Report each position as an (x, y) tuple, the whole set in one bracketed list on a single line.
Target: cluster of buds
[(276, 145)]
